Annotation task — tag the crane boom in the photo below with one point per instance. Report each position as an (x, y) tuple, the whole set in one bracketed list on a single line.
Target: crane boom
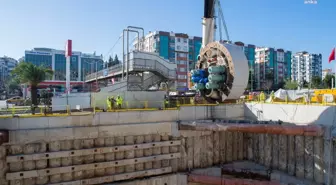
[(208, 22)]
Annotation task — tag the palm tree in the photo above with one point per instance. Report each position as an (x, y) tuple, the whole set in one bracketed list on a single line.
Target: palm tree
[(27, 72)]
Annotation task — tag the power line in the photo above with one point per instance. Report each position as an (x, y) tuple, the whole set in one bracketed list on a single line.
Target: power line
[(112, 47)]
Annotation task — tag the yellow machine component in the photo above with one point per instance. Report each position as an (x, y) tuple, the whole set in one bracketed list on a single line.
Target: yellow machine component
[(318, 94)]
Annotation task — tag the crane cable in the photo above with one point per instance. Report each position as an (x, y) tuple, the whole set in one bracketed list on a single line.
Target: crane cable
[(219, 26), (113, 46), (220, 11)]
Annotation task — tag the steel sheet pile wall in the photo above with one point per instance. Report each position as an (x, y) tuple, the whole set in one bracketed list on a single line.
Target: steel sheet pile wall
[(206, 148), (300, 156)]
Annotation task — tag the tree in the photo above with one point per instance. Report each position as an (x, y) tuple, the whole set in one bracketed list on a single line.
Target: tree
[(269, 77), (110, 62), (116, 60), (27, 72), (316, 82), (291, 85), (281, 84), (328, 79), (12, 85)]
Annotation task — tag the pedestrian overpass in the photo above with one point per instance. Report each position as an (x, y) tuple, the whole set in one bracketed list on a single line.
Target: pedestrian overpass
[(145, 71)]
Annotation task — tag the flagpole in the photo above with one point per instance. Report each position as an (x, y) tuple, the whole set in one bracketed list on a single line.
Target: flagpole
[(335, 71)]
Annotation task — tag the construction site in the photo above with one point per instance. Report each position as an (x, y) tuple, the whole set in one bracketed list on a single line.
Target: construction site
[(220, 142), (224, 144)]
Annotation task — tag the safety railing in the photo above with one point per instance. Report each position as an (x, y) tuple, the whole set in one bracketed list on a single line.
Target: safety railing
[(133, 106), (27, 111), (138, 64), (300, 101)]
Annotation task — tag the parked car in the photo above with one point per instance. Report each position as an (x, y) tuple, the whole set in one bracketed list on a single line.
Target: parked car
[(16, 100)]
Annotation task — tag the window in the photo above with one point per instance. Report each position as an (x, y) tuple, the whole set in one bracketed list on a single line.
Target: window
[(181, 62), (182, 76), (185, 48), (182, 55), (74, 59), (181, 84), (178, 40), (178, 47), (185, 40)]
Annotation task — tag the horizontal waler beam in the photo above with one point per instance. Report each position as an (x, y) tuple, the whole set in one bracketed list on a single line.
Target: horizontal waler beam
[(118, 177), (91, 151), (204, 179), (309, 130), (92, 166)]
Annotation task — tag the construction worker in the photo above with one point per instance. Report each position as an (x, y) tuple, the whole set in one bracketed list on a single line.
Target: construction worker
[(272, 96), (166, 102), (112, 100), (250, 97), (262, 97), (108, 102), (119, 102)]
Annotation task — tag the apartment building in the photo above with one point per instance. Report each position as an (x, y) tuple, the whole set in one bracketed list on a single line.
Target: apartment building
[(326, 72), (271, 62), (178, 48), (7, 64), (305, 66)]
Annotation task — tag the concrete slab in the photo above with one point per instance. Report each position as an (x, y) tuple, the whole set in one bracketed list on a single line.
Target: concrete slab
[(290, 113)]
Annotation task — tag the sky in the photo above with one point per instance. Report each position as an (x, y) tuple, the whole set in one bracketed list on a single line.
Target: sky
[(96, 25)]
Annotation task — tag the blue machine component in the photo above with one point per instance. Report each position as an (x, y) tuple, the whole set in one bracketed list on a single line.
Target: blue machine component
[(202, 73), (199, 78), (204, 80), (196, 79)]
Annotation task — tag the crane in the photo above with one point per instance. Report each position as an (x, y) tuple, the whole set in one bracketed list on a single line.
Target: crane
[(221, 71)]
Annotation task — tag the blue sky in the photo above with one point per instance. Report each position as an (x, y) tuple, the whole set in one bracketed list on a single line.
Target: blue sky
[(95, 25)]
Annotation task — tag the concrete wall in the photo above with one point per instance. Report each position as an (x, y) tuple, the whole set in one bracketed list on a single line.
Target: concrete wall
[(297, 114), (187, 113), (132, 99), (81, 99)]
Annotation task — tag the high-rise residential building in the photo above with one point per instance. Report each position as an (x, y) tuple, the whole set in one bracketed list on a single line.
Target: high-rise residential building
[(178, 48), (326, 72), (81, 64), (270, 62), (7, 64), (305, 66)]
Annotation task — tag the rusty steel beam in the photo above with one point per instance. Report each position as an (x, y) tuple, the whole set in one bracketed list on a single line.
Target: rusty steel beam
[(212, 180), (307, 130)]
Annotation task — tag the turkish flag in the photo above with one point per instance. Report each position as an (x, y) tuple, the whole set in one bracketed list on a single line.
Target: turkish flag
[(332, 56)]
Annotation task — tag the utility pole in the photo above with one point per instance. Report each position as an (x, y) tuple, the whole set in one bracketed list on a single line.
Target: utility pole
[(97, 74), (68, 53)]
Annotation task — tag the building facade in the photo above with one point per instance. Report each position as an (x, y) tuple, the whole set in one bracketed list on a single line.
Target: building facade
[(7, 65), (305, 66), (178, 48), (326, 72), (272, 67), (81, 64)]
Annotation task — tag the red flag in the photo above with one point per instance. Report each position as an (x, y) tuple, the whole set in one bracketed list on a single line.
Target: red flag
[(332, 56)]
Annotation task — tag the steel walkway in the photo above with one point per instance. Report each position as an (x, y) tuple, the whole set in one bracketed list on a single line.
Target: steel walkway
[(139, 62)]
